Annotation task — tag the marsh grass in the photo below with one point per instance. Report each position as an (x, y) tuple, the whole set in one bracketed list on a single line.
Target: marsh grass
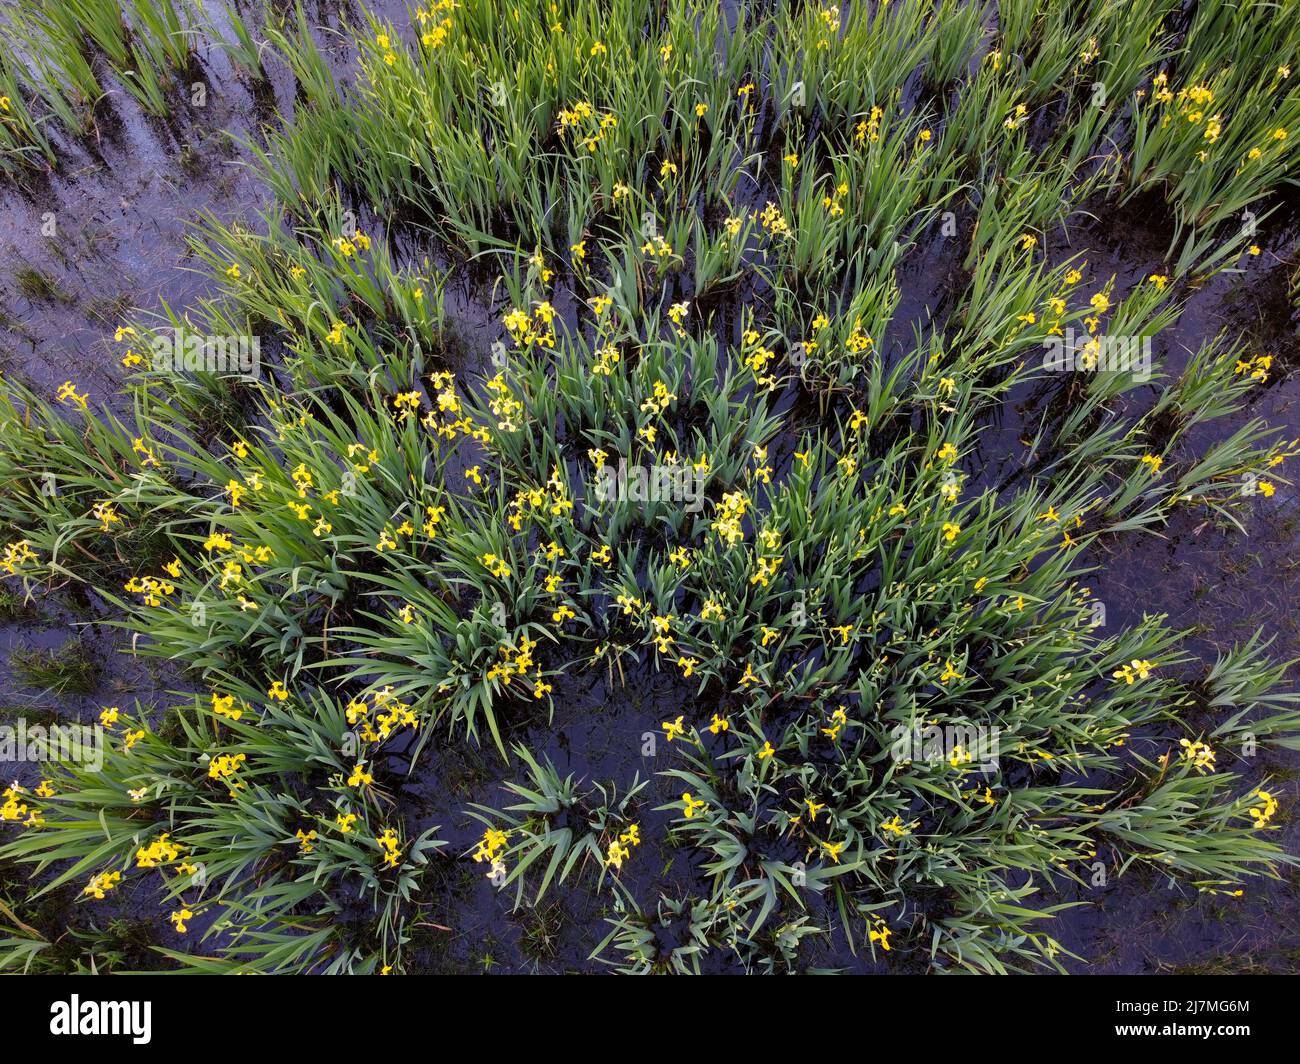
[(39, 286), (74, 668), (49, 75)]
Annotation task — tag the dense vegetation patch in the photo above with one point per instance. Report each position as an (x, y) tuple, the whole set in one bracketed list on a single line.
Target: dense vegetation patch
[(698, 431)]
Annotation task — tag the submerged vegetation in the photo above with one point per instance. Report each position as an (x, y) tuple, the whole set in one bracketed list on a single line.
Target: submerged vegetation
[(706, 434)]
